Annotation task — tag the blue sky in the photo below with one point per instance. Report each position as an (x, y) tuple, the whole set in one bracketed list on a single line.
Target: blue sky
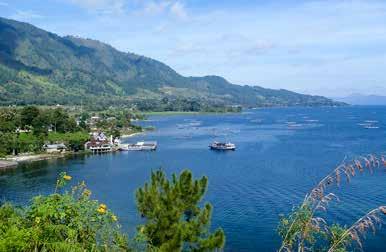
[(332, 48)]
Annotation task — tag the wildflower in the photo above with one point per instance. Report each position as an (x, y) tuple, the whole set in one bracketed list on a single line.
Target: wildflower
[(101, 210), (142, 229), (87, 192), (67, 177), (37, 220), (114, 218)]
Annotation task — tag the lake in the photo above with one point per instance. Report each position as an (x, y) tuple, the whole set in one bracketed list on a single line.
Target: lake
[(281, 154)]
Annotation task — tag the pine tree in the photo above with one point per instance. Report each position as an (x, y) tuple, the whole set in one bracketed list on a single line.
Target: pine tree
[(174, 221)]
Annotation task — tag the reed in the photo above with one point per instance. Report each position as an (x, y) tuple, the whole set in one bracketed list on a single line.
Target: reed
[(369, 221), (318, 199)]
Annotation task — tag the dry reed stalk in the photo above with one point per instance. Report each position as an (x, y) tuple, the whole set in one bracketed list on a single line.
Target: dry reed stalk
[(361, 226), (318, 200)]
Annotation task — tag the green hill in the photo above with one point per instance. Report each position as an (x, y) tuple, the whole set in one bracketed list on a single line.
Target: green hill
[(39, 67)]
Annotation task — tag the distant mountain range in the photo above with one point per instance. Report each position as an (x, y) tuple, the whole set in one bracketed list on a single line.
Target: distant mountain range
[(359, 99), (39, 67)]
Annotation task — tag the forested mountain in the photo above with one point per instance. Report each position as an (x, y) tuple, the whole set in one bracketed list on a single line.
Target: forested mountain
[(39, 67)]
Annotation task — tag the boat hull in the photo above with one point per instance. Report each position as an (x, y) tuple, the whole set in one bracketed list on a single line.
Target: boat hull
[(222, 148)]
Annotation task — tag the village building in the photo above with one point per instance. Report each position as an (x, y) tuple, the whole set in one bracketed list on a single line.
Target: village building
[(99, 143), (55, 148)]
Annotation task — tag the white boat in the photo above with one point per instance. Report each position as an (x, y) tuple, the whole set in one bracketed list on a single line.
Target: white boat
[(222, 146), (140, 146)]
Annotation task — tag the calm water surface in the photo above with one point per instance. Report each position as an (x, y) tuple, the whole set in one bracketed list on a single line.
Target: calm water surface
[(271, 171)]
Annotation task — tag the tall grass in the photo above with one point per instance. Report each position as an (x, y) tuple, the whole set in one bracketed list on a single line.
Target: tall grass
[(304, 222)]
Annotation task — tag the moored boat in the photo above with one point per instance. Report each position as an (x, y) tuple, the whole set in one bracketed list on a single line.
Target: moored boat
[(140, 146), (222, 146)]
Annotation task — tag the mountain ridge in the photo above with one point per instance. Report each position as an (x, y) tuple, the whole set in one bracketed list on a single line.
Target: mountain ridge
[(360, 99), (40, 67)]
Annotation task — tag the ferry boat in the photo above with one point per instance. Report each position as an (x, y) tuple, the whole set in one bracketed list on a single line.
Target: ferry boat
[(222, 146), (140, 146)]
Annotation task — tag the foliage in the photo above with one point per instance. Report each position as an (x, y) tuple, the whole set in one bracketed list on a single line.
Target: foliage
[(72, 221), (26, 129), (299, 226), (173, 218), (39, 67), (75, 141), (66, 221)]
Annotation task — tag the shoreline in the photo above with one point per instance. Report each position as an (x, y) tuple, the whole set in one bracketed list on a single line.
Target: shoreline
[(13, 161), (125, 136)]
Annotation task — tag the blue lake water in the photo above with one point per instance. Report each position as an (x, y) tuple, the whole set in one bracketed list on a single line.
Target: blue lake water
[(281, 154)]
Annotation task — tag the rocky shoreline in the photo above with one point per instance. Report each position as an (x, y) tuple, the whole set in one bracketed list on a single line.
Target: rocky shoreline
[(5, 164), (12, 162)]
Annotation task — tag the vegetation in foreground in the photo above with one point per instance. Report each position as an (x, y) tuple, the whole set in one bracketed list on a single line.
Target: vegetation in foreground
[(305, 230), (73, 221)]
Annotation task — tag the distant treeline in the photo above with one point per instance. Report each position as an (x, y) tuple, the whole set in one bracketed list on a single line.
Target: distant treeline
[(182, 104)]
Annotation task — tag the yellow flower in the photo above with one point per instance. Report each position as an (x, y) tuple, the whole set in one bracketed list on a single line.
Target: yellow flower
[(114, 218), (67, 177), (87, 192), (101, 210), (142, 229), (37, 220)]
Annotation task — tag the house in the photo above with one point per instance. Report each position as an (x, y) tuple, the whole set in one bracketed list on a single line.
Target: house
[(99, 143), (55, 148)]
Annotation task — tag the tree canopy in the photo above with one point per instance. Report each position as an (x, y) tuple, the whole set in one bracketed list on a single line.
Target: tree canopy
[(174, 219)]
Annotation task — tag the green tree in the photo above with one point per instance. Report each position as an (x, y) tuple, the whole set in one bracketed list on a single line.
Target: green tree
[(40, 124), (9, 120), (173, 218), (28, 114), (59, 119)]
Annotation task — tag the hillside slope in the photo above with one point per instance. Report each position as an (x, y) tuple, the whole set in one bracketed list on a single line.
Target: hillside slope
[(39, 67), (359, 99)]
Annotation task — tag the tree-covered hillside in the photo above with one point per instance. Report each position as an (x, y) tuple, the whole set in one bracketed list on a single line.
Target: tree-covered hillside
[(39, 67)]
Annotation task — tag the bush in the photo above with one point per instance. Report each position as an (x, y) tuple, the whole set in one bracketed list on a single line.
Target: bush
[(68, 221)]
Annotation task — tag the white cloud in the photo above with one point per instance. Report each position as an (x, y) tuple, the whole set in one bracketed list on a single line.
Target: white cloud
[(25, 15), (165, 7), (4, 4), (102, 6), (178, 9), (155, 8)]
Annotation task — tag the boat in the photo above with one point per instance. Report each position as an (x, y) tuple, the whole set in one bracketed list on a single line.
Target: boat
[(222, 146), (140, 146)]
